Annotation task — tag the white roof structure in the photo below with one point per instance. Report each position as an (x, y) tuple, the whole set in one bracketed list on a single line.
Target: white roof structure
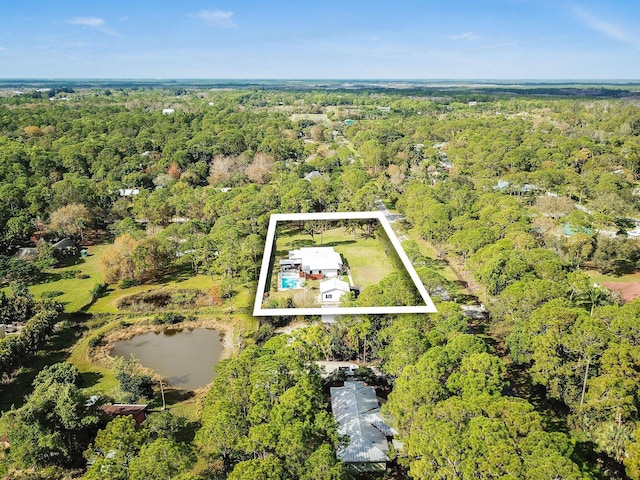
[(334, 284), (129, 192), (311, 175), (317, 258), (355, 408)]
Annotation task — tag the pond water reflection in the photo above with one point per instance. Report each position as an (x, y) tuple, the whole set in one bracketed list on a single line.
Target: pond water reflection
[(185, 358)]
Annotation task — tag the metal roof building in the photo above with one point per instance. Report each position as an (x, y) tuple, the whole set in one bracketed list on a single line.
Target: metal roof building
[(357, 412)]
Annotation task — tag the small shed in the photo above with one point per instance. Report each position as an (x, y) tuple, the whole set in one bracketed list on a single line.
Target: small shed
[(332, 290), (137, 411)]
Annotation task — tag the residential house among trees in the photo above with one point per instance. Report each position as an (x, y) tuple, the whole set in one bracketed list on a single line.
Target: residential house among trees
[(357, 412), (313, 262)]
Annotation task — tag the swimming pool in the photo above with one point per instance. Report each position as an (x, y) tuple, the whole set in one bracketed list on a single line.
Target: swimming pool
[(288, 282)]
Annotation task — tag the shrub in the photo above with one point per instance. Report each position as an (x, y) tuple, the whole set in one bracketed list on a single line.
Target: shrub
[(95, 341), (168, 318), (69, 274), (97, 290), (127, 282), (52, 294)]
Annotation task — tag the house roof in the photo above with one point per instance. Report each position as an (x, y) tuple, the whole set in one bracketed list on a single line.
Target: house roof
[(356, 410), (26, 253), (628, 290), (123, 409), (64, 243), (317, 258), (333, 284)]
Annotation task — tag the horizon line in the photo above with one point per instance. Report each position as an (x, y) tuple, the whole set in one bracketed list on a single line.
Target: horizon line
[(333, 79)]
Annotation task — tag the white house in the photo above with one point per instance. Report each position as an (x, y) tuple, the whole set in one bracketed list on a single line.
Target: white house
[(319, 262), (168, 111), (332, 290)]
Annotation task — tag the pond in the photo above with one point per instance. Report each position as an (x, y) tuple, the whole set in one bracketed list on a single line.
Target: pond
[(185, 358)]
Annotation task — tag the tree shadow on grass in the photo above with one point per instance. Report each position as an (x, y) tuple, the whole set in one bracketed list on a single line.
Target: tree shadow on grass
[(188, 433), (339, 243), (303, 242), (89, 379), (172, 396)]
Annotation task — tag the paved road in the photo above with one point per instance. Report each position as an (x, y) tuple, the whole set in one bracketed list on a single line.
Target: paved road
[(381, 207)]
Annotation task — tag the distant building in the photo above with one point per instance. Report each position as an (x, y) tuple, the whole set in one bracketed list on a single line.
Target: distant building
[(384, 109), (168, 111), (66, 247), (311, 175), (128, 192), (526, 189), (356, 410)]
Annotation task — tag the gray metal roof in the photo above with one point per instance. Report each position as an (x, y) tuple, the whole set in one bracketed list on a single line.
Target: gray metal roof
[(356, 410)]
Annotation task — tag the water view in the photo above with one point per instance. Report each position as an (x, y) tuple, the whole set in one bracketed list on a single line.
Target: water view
[(185, 358)]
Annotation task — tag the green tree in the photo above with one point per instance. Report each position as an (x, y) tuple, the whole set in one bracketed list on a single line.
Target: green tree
[(269, 468), (54, 426), (162, 458), (134, 384), (632, 461), (114, 449)]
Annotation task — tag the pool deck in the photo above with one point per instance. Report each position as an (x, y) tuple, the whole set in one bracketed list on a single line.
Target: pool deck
[(300, 282)]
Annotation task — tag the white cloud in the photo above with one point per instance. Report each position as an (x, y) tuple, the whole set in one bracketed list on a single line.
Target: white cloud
[(216, 18), (464, 36), (608, 29), (499, 45), (95, 23), (88, 21)]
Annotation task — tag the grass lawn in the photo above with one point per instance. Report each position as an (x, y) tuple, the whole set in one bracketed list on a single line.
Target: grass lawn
[(76, 290), (319, 118), (599, 277), (429, 251)]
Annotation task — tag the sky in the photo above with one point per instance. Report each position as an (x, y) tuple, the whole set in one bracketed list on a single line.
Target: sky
[(329, 39)]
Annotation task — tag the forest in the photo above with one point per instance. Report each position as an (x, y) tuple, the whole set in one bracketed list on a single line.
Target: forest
[(515, 202)]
